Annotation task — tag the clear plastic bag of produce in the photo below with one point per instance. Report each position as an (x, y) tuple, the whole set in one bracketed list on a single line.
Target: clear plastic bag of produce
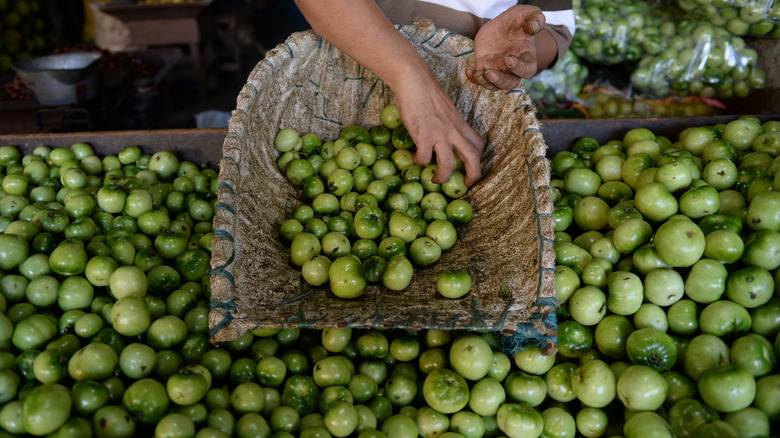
[(560, 84), (757, 18), (615, 32), (308, 85), (700, 60), (600, 101)]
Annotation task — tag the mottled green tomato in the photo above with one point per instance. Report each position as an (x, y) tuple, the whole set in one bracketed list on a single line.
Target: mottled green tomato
[(750, 287), (304, 247), (759, 249), (445, 391), (45, 408), (663, 286), (453, 284), (626, 292), (705, 352), (32, 332), (590, 213), (652, 347), (655, 202), (130, 315), (611, 334), (471, 356), (706, 281), (726, 246), (763, 213), (582, 181), (727, 389), (647, 424), (398, 273), (431, 422), (754, 353), (630, 234), (558, 423), (519, 421), (679, 243), (527, 389), (532, 360), (574, 340), (642, 388), (316, 270), (146, 399), (399, 426), (683, 317), (724, 318), (594, 383)]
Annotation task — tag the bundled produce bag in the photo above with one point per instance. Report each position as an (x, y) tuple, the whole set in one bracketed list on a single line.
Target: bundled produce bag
[(757, 18), (603, 101), (308, 85), (560, 84), (700, 60), (615, 32)]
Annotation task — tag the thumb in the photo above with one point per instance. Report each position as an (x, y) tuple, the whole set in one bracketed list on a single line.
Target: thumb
[(534, 22)]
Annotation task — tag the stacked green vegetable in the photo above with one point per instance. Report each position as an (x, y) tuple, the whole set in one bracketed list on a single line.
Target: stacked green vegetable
[(668, 261), (669, 315), (760, 18), (699, 60), (23, 31), (560, 84), (615, 32)]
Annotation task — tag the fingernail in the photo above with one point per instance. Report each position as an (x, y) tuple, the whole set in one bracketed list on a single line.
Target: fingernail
[(537, 26), (510, 61), (528, 57), (491, 76)]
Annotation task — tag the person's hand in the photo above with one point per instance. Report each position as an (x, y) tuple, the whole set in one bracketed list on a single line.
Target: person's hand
[(436, 126), (505, 48)]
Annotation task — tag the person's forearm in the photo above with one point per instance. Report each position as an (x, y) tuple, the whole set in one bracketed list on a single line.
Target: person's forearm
[(360, 29), (546, 50)]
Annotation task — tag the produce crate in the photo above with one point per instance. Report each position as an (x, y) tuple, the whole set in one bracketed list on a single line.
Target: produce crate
[(201, 146), (310, 86), (205, 145)]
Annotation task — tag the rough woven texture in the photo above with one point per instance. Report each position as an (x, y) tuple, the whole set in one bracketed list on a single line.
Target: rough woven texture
[(308, 85)]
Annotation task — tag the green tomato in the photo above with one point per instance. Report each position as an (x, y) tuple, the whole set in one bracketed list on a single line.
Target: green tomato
[(445, 391), (346, 277), (647, 424), (519, 421), (93, 361), (594, 383), (651, 347), (704, 352), (727, 389), (46, 408), (679, 243), (642, 388)]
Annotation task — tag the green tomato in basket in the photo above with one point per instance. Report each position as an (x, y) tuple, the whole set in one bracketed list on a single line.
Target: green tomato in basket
[(287, 140), (398, 273), (453, 283), (346, 277), (369, 222)]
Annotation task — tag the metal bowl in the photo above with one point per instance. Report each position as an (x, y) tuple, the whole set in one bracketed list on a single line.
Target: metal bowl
[(61, 79)]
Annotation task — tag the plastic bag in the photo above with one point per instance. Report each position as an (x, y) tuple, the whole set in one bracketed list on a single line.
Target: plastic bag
[(700, 60), (614, 32), (560, 84), (603, 101), (759, 18)]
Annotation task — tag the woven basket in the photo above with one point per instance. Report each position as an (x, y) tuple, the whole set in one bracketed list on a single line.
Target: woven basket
[(308, 85)]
